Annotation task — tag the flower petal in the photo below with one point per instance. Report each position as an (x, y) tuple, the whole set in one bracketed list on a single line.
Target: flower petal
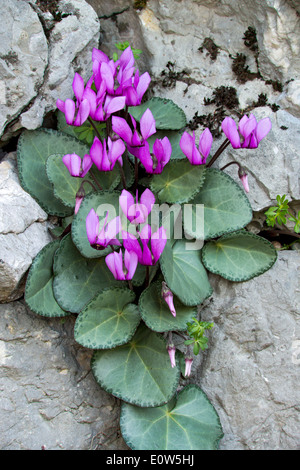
[(96, 153), (73, 163), (263, 128), (120, 127), (231, 132), (131, 262), (205, 143), (158, 243), (78, 86), (69, 111), (147, 124), (92, 226)]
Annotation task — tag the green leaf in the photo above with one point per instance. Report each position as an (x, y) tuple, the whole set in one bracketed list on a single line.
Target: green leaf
[(77, 279), (226, 207), (38, 292), (156, 313), (139, 372), (184, 273), (187, 422), (101, 202), (109, 320), (34, 148), (239, 256), (179, 182), (166, 113)]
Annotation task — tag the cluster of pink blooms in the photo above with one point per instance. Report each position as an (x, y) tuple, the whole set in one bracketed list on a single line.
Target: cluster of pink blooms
[(112, 88)]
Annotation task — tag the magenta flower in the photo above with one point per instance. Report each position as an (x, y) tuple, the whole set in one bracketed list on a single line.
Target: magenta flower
[(167, 295), (172, 350), (249, 132), (188, 366), (105, 156), (135, 91), (78, 201), (244, 179), (100, 239), (137, 210), (82, 105), (146, 256), (122, 270), (134, 138), (102, 106), (77, 166), (188, 146), (155, 162)]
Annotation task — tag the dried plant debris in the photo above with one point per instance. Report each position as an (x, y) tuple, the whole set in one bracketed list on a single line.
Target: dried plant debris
[(212, 121), (211, 48), (139, 4), (241, 70), (225, 96), (250, 39), (169, 76), (52, 7)]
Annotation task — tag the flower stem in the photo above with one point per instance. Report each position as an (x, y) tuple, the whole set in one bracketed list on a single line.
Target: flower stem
[(95, 129), (218, 152), (95, 180), (147, 276), (231, 163), (122, 175), (130, 284)]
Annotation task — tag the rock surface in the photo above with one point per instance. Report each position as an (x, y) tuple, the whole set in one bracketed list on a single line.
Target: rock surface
[(23, 59), (251, 369), (48, 397), (23, 231), (71, 39)]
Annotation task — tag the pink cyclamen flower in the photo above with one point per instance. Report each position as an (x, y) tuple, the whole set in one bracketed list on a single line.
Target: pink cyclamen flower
[(102, 106), (82, 105), (249, 132), (146, 256), (155, 162), (188, 146), (100, 239), (137, 210), (134, 138), (122, 270), (244, 179), (172, 350), (135, 91), (167, 295), (105, 155), (188, 366), (77, 166)]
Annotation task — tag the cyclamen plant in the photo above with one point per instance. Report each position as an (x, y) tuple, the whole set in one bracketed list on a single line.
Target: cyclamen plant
[(144, 218)]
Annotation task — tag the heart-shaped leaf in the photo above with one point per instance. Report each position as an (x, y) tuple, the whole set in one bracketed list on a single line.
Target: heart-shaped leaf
[(226, 207), (166, 113), (189, 422), (184, 273), (38, 292), (179, 181), (139, 372), (34, 148), (77, 279), (156, 313), (239, 256), (109, 320)]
